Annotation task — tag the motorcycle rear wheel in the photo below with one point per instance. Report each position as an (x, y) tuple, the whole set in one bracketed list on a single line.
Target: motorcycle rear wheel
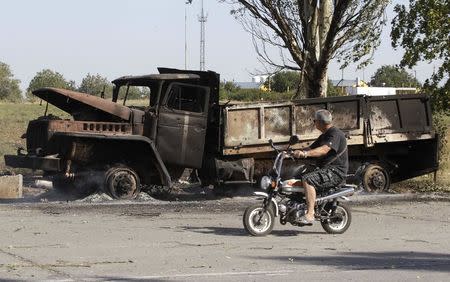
[(339, 223), (258, 222)]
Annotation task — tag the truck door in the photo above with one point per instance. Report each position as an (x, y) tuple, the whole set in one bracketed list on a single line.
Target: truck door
[(182, 125)]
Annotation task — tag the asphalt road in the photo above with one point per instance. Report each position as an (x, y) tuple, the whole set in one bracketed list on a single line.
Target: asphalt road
[(202, 239)]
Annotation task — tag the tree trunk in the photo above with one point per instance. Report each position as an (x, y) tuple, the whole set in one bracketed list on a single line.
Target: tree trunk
[(314, 83), (323, 84)]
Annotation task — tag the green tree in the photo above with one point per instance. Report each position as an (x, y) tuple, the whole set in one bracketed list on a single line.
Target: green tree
[(47, 78), (95, 85), (134, 92), (310, 33), (392, 76), (9, 87), (333, 91), (422, 29), (283, 81), (230, 86)]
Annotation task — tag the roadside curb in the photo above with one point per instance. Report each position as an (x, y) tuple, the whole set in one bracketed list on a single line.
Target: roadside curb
[(362, 199)]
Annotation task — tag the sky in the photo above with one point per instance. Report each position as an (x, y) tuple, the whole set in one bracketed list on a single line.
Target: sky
[(115, 38)]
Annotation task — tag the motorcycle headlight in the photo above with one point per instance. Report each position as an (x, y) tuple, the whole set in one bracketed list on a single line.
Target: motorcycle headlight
[(266, 182)]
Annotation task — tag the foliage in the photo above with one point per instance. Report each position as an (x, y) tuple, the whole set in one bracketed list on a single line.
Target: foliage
[(441, 126), (134, 92), (95, 85), (9, 87), (283, 81), (393, 76), (229, 86), (333, 91), (48, 78), (422, 30), (440, 96), (310, 33)]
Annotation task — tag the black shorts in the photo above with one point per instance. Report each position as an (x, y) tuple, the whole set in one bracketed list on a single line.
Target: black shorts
[(324, 178)]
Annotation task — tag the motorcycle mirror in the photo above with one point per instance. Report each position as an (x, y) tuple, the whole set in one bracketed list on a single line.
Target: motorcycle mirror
[(271, 145), (293, 140)]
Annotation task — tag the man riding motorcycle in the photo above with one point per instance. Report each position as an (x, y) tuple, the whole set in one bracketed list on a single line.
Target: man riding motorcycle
[(330, 149)]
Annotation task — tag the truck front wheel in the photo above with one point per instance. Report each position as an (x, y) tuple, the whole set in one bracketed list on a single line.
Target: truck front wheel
[(122, 182)]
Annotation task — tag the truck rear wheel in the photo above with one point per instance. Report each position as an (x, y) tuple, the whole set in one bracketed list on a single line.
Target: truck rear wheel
[(122, 182), (376, 178)]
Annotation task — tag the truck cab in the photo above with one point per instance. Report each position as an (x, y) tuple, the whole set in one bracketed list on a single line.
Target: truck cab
[(129, 146)]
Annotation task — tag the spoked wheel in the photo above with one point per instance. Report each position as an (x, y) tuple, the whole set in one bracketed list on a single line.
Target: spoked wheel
[(122, 183), (258, 222), (339, 220)]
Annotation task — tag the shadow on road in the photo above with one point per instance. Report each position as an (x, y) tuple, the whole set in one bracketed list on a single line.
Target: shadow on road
[(422, 261), (229, 231)]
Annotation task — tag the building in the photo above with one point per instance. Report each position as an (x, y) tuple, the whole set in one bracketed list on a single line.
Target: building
[(359, 87)]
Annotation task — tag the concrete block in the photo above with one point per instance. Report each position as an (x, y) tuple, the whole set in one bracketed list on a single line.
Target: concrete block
[(11, 187)]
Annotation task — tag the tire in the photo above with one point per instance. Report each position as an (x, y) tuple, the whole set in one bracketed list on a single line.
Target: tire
[(376, 178), (338, 225), (122, 182), (251, 225)]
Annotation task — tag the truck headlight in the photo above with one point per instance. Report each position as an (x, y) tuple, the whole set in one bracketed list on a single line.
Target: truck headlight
[(266, 182)]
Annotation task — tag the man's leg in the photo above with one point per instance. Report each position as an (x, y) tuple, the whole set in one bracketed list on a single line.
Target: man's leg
[(310, 194)]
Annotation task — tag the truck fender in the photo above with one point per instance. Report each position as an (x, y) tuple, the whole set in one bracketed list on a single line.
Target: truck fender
[(274, 203), (162, 169)]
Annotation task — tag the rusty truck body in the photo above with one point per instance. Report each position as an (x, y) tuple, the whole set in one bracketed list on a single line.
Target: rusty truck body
[(184, 126)]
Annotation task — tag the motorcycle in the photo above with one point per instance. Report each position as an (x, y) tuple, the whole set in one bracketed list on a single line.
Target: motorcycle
[(285, 198)]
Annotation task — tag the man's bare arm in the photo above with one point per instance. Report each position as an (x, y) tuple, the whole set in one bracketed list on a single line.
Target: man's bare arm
[(316, 152)]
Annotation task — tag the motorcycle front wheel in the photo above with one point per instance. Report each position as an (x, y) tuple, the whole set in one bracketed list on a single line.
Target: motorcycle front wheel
[(258, 222), (339, 221)]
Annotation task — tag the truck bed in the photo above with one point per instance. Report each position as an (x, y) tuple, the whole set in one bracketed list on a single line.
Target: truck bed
[(366, 120)]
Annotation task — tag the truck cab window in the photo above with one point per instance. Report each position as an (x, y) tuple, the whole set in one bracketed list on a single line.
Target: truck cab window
[(186, 98)]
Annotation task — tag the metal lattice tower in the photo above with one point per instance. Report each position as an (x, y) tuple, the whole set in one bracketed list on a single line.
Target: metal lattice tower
[(202, 19)]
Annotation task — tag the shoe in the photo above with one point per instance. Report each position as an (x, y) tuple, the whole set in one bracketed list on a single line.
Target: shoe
[(305, 221)]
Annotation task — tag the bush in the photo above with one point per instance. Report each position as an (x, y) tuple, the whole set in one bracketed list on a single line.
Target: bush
[(441, 125)]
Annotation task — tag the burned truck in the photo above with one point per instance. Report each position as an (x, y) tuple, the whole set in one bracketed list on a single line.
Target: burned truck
[(183, 125)]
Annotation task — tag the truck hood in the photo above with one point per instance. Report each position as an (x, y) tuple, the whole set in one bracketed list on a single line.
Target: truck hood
[(77, 103)]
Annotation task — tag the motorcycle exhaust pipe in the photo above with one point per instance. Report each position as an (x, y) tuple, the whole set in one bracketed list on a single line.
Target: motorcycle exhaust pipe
[(346, 192)]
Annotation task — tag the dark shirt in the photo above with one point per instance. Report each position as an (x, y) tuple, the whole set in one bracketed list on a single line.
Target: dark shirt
[(336, 140)]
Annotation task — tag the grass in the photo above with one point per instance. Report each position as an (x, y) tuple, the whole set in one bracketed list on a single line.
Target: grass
[(14, 119), (426, 183)]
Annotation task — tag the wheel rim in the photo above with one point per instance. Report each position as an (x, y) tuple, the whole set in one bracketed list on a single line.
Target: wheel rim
[(376, 179), (339, 223), (123, 184), (259, 223)]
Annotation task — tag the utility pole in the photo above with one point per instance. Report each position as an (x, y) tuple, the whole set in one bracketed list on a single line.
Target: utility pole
[(185, 38), (185, 33), (202, 19)]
